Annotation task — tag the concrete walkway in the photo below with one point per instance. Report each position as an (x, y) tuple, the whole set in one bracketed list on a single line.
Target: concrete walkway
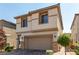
[(61, 52)]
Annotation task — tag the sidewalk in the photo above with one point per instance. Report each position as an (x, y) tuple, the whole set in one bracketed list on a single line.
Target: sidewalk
[(61, 52)]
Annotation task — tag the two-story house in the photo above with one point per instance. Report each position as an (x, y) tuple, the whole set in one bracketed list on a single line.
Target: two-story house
[(75, 29), (9, 29), (39, 29)]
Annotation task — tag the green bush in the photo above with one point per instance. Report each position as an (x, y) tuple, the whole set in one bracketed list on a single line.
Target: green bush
[(8, 48), (77, 50)]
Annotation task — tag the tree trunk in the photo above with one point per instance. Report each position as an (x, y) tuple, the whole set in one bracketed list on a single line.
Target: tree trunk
[(65, 50)]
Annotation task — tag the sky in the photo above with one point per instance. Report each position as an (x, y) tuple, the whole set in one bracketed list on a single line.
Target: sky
[(9, 10)]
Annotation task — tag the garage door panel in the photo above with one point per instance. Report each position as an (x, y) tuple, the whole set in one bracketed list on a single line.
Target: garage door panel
[(39, 43), (26, 43)]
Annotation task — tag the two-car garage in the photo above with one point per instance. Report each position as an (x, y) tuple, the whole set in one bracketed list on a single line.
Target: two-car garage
[(38, 42)]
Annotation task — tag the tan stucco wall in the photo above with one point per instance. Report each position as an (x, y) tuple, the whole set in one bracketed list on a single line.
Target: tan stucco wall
[(33, 21), (33, 25), (38, 33), (77, 24), (60, 31), (11, 36), (53, 11)]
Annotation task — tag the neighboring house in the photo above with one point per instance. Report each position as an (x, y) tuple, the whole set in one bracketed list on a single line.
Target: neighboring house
[(10, 31), (39, 29), (75, 28)]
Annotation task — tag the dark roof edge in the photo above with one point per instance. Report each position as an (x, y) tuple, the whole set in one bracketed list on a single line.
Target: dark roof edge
[(74, 20), (60, 16), (8, 22)]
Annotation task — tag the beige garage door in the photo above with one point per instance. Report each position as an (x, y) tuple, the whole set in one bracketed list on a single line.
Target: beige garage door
[(41, 42)]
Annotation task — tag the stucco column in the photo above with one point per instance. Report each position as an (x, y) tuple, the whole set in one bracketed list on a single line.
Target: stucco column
[(54, 42), (22, 42), (18, 41)]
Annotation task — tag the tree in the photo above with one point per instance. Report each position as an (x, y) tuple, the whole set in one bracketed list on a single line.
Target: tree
[(64, 40)]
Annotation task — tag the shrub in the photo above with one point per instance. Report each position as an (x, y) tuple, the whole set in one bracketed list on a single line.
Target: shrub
[(76, 50), (8, 48), (72, 47), (49, 52), (64, 40)]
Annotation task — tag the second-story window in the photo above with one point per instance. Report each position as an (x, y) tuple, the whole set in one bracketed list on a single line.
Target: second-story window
[(44, 18), (24, 23)]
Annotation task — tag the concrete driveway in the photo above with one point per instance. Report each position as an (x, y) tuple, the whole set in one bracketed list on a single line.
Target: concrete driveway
[(24, 52), (62, 52)]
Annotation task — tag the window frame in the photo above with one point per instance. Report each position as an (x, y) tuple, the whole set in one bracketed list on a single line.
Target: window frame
[(40, 17), (25, 23)]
